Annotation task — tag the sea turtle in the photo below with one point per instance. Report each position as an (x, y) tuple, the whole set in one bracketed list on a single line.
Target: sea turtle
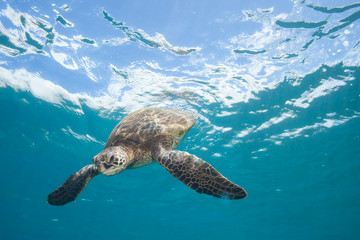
[(141, 138)]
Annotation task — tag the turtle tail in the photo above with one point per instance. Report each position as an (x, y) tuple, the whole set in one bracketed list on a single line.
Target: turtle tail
[(73, 186)]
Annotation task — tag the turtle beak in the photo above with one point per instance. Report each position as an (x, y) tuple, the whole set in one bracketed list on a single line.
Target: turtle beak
[(108, 169)]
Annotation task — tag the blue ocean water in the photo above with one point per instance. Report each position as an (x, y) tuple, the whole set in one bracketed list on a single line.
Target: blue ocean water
[(276, 87)]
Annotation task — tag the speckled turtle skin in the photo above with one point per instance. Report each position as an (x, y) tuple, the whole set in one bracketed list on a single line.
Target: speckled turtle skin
[(141, 138)]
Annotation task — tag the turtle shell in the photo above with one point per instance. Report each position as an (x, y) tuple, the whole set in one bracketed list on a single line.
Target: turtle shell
[(145, 124)]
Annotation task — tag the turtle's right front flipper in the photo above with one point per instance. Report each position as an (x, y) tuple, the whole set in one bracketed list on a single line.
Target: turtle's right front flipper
[(73, 186)]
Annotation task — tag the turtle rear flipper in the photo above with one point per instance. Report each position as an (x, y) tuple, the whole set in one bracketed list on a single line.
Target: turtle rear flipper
[(198, 174), (73, 186)]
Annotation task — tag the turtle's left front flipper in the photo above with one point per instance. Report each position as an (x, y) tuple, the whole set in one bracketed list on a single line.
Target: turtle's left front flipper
[(73, 186), (198, 174)]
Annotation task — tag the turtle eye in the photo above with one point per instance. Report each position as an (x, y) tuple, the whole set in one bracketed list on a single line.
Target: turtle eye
[(111, 158)]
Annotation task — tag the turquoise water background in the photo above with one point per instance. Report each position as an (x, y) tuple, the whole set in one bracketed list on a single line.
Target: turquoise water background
[(276, 87)]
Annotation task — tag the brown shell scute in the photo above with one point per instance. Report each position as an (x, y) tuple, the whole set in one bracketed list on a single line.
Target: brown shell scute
[(142, 125)]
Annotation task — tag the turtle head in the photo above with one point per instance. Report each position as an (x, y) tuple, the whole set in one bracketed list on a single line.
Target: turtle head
[(111, 160)]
